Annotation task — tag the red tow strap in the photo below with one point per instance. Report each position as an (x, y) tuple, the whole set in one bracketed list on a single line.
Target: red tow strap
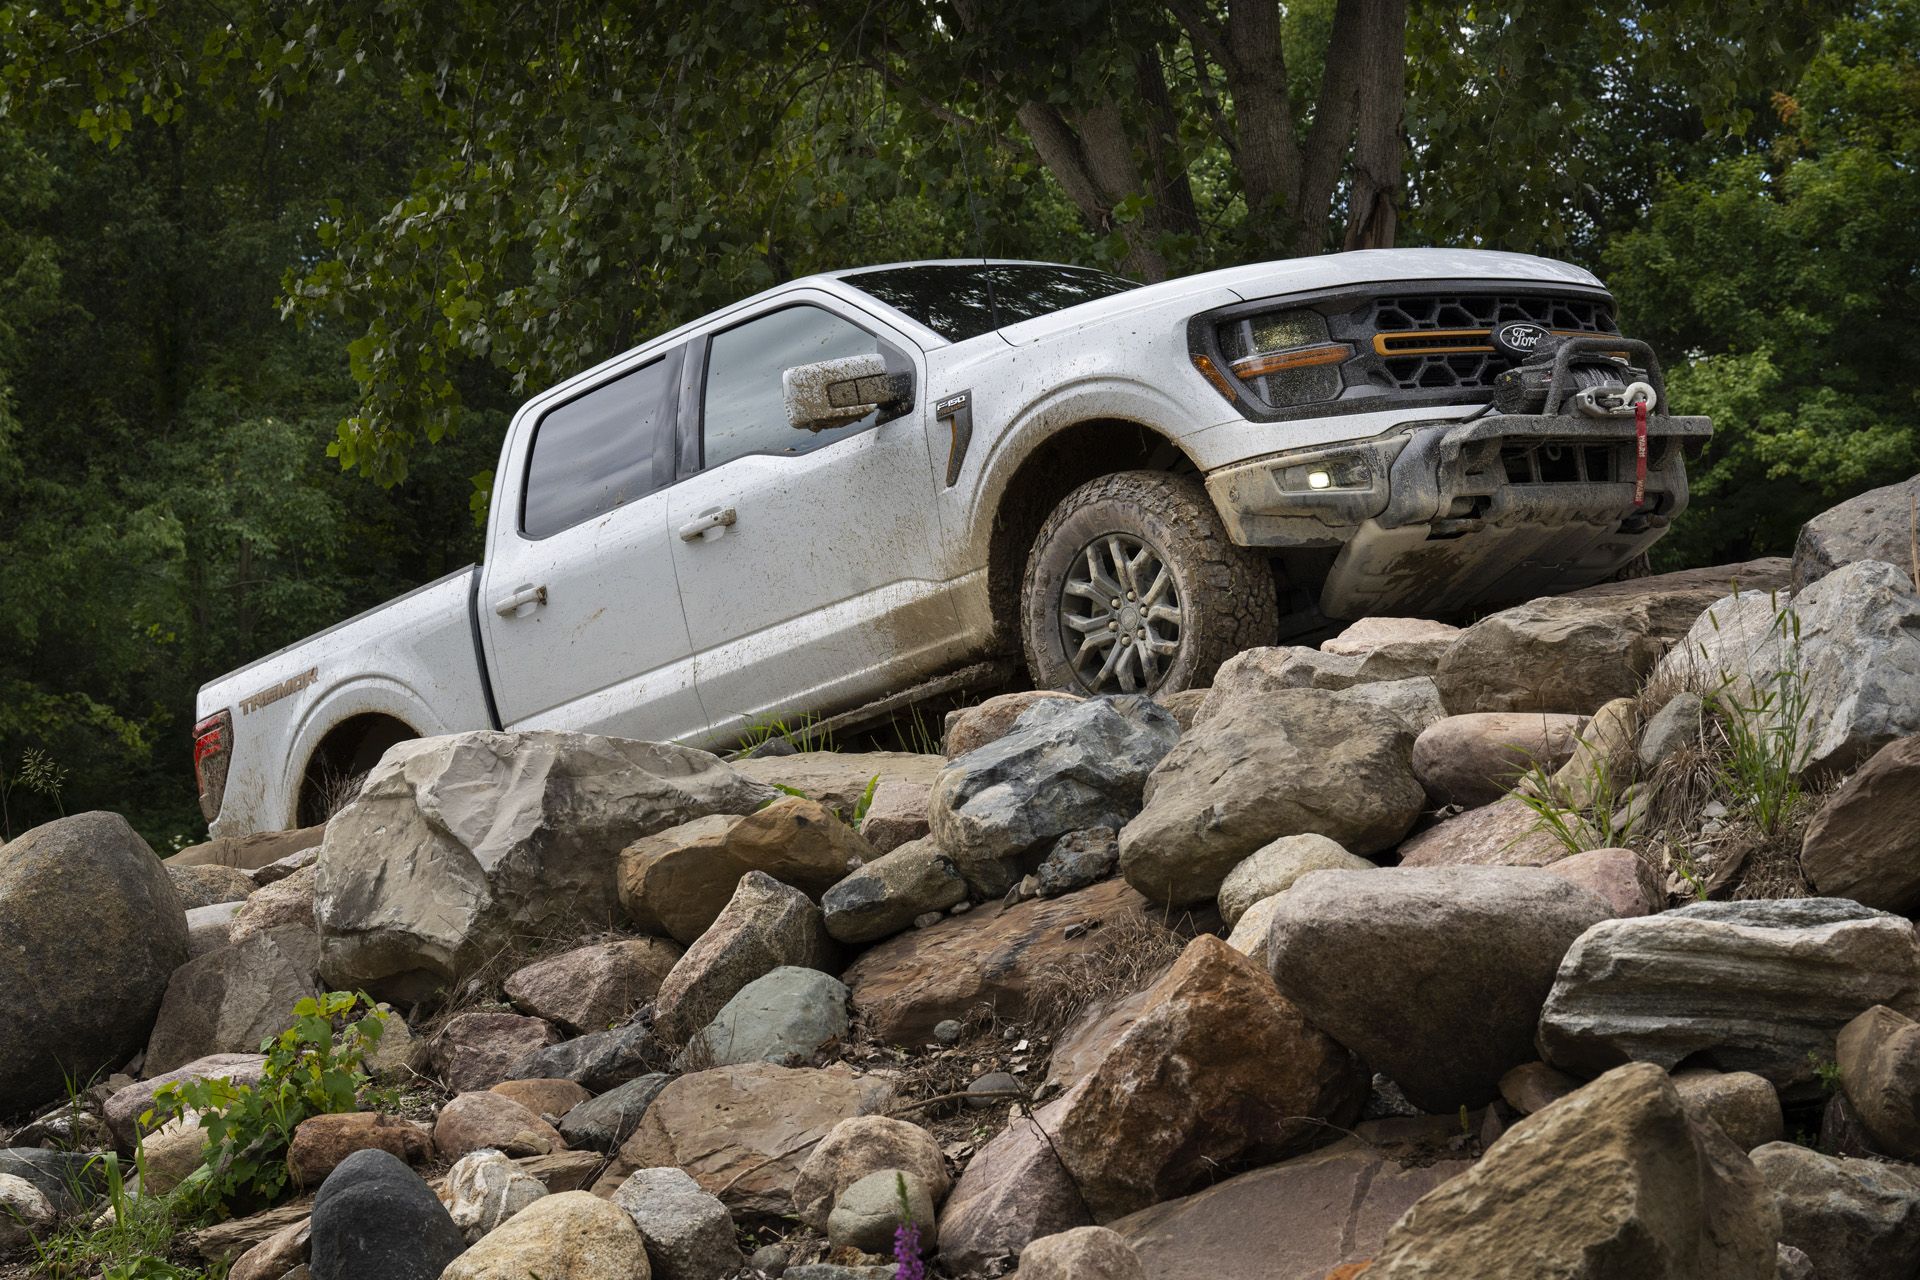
[(1640, 453)]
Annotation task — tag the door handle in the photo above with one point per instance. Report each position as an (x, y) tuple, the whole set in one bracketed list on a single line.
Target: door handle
[(510, 606), (718, 518)]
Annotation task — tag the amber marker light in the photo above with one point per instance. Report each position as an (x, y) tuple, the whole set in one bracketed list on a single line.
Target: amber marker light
[(1214, 376), (1258, 366)]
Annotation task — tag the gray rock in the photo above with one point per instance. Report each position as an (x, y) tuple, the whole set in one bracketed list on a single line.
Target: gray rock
[(1744, 1105), (896, 814), (1854, 1219), (1416, 701), (484, 1189), (208, 928), (1265, 766), (1273, 868), (203, 886), (988, 1085), (1877, 525), (229, 1000), (457, 842), (281, 868), (688, 1233), (285, 901), (1791, 1264), (970, 728), (1553, 654), (883, 897), (604, 1122), (25, 1213), (1065, 766), (1864, 842), (1272, 669), (601, 1061), (1084, 1253), (1077, 860), (1434, 976), (1759, 986), (766, 925), (769, 1259), (857, 1147), (1857, 660), (828, 1271), (787, 1016), (949, 1031), (868, 1213), (92, 929), (1013, 1191), (58, 1175), (1674, 726), (374, 1219)]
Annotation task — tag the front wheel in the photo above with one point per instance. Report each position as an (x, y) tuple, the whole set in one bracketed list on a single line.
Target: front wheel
[(1134, 587)]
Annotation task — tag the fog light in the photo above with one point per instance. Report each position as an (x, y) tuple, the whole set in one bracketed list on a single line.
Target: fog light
[(1318, 480)]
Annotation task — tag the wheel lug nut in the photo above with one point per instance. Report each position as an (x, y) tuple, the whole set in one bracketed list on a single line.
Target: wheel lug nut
[(1142, 633), (1113, 626), (1131, 596), (1116, 602)]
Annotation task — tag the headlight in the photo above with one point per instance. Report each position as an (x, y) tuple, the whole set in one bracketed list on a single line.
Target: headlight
[(1285, 357)]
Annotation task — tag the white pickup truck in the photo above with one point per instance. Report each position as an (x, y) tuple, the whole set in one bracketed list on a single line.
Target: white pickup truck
[(862, 488)]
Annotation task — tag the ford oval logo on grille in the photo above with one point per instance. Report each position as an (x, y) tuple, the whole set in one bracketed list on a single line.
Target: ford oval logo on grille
[(1521, 339)]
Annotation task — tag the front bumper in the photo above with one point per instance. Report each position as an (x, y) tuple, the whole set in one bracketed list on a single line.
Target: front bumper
[(1435, 518)]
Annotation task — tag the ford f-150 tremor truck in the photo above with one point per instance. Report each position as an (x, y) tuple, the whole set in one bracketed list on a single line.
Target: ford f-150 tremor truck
[(885, 479)]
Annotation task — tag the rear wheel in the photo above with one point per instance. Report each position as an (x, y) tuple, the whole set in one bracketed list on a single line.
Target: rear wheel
[(1134, 587)]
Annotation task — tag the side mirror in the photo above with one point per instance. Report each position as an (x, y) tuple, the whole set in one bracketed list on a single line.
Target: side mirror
[(835, 393)]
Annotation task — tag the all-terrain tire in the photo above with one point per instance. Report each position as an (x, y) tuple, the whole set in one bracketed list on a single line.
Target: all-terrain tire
[(1226, 594)]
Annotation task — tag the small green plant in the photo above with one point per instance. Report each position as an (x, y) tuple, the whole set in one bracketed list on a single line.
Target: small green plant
[(864, 803), (1763, 718), (1825, 1070), (1607, 822), (918, 734), (37, 773), (1689, 871), (309, 1071), (804, 734), (130, 1247)]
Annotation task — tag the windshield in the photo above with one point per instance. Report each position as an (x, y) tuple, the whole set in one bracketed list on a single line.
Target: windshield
[(953, 299)]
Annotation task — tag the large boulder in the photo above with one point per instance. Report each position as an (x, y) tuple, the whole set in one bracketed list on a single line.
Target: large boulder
[(1475, 759), (568, 1236), (1065, 766), (1673, 602), (90, 931), (1854, 1219), (787, 1016), (765, 925), (1846, 650), (1434, 976), (676, 882), (1753, 986), (1013, 1192), (1505, 833), (229, 1000), (688, 1233), (456, 843), (249, 852), (1864, 840), (594, 987), (1615, 1180), (888, 894), (374, 1219), (1878, 1054), (481, 1048), (1552, 654), (837, 779), (1266, 766), (1216, 1070), (1877, 525)]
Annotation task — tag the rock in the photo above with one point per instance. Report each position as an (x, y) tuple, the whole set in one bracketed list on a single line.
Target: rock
[(1503, 834), (990, 956), (1857, 661), (1078, 860), (288, 901), (1622, 877), (69, 1180), (1741, 1103), (93, 930), (787, 1016), (455, 843), (971, 728), (1676, 726), (281, 1256), (1293, 1220), (828, 1271), (479, 1049), (1263, 767), (171, 1153), (1369, 634), (1183, 705), (896, 815), (858, 1147), (125, 1107), (688, 1233), (568, 1236), (743, 1132), (1249, 936), (1084, 1253), (1415, 701), (1793, 1264), (595, 987), (484, 1189), (837, 779), (1854, 1219), (766, 925), (321, 1142), (1552, 654), (374, 1219), (1879, 1059), (1614, 1180), (985, 1091), (1435, 976), (1534, 1086), (280, 869), (1065, 766), (400, 1055), (769, 1259), (677, 882), (600, 1062), (249, 852), (603, 1123), (1474, 759), (1273, 868), (1842, 1133), (544, 1097), (208, 929), (1256, 673), (1759, 986), (949, 1031), (1013, 1192), (483, 1119), (1673, 602), (1601, 766), (203, 886), (1216, 1070), (870, 1211), (230, 1000), (25, 1213), (1864, 840), (1877, 525), (883, 897)]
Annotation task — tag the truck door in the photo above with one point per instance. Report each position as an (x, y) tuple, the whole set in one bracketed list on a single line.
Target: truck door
[(806, 560), (578, 600)]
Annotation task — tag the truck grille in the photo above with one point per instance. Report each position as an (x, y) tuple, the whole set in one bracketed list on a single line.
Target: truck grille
[(1439, 342)]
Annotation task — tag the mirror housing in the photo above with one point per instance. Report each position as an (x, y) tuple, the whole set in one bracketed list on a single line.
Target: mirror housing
[(837, 393)]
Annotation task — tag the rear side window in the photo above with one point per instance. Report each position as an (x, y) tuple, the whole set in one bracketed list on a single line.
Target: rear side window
[(746, 409), (601, 449)]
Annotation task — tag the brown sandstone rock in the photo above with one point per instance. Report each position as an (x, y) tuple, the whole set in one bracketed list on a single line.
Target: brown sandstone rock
[(248, 852), (1864, 842), (286, 901), (486, 1119), (896, 815), (1474, 759), (766, 925), (592, 988), (1503, 834), (1013, 1192), (544, 1097), (1879, 1058), (322, 1142), (478, 1050), (1621, 876)]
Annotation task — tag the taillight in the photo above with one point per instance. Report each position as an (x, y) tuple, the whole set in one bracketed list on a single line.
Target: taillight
[(212, 753)]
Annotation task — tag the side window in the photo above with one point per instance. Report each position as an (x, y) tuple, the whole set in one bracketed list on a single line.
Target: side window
[(745, 408), (597, 451)]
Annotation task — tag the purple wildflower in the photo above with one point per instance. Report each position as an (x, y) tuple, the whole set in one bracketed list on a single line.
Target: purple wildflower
[(906, 1252)]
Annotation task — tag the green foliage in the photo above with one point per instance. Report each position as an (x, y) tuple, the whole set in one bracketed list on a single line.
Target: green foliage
[(802, 734), (1605, 821), (309, 1072), (864, 803), (1764, 715), (134, 1246), (1825, 1070)]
